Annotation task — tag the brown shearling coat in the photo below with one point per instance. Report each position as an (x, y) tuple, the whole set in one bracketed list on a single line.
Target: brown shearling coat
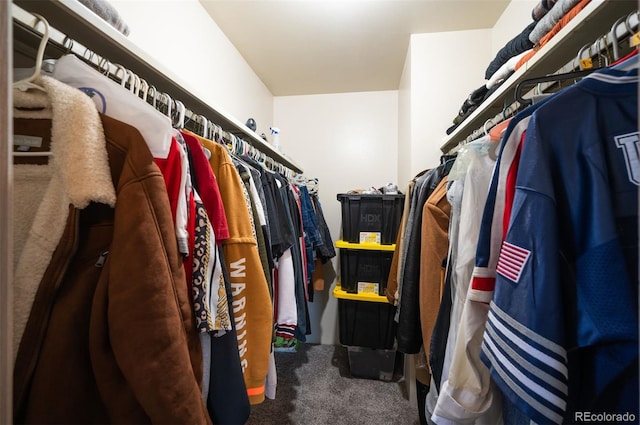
[(112, 341)]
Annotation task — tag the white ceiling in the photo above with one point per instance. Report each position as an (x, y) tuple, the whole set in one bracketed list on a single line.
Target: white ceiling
[(317, 46)]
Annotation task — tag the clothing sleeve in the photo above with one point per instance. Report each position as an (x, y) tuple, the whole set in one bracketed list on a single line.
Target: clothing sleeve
[(468, 394), (392, 280), (252, 307), (208, 189), (524, 341)]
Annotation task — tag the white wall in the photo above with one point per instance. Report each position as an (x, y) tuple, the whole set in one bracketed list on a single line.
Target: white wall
[(404, 125), (347, 141), (445, 68), (185, 40)]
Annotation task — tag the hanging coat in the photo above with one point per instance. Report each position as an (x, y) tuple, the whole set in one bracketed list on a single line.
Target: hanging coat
[(102, 318)]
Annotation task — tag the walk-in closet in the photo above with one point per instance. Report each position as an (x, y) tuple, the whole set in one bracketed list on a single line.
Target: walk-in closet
[(319, 212)]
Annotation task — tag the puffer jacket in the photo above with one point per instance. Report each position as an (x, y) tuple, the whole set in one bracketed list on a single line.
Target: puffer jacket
[(104, 328)]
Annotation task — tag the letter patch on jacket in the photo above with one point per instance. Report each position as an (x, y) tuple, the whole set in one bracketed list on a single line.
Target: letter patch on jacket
[(631, 150)]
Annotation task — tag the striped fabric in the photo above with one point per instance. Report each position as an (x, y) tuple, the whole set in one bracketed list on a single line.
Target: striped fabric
[(532, 366)]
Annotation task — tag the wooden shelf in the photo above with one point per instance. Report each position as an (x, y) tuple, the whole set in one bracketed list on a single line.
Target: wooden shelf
[(81, 25), (595, 20)]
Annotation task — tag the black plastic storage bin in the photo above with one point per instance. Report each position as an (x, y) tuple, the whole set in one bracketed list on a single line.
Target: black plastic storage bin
[(364, 266), (366, 324), (367, 214), (370, 363)]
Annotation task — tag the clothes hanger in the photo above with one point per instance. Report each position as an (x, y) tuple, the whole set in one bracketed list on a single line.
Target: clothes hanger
[(585, 65), (152, 99), (67, 43), (179, 114), (89, 56), (495, 134), (104, 67), (214, 132), (215, 135), (144, 89), (125, 74), (549, 78), (28, 83), (615, 41), (204, 124), (599, 51), (134, 83), (263, 159), (485, 128), (167, 101)]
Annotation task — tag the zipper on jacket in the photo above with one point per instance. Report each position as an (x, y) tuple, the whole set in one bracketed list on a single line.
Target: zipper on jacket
[(102, 259)]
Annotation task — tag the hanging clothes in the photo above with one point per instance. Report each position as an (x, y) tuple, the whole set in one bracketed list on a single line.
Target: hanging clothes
[(457, 386), (434, 247), (77, 262), (519, 291), (393, 282), (567, 310), (469, 394), (409, 333), (479, 163), (326, 250), (212, 286), (228, 401), (259, 221), (312, 237), (294, 221), (250, 292)]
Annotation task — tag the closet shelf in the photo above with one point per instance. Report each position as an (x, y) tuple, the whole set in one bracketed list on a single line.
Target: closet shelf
[(83, 26), (595, 19)]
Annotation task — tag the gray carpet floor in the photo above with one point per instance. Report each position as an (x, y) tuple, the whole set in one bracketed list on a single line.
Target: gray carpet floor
[(315, 387)]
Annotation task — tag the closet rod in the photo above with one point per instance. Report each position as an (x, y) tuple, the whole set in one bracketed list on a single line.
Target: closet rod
[(26, 38), (624, 28), (83, 26)]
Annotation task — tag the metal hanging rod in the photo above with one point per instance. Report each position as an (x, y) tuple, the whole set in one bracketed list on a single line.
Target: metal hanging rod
[(113, 54)]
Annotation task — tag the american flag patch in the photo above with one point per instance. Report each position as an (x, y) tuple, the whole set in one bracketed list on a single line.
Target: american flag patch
[(512, 260)]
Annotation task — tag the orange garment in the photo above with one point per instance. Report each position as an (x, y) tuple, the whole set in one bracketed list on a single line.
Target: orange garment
[(252, 307), (553, 31), (434, 248), (318, 276)]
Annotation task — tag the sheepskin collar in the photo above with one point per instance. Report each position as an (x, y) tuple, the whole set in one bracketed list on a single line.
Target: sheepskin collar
[(78, 144), (79, 174)]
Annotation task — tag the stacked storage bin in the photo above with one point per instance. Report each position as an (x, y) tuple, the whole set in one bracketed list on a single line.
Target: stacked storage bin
[(369, 229)]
